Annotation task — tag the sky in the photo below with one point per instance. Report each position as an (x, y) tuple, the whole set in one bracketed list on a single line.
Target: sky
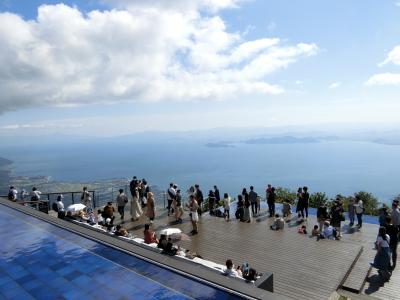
[(115, 67)]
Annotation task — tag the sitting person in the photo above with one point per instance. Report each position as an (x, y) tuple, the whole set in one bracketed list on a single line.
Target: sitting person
[(251, 275), (169, 248), (191, 254), (180, 252), (286, 209), (149, 236), (120, 231), (239, 271), (302, 229), (329, 231), (230, 271), (162, 242), (108, 212), (315, 231), (279, 223), (91, 219), (100, 219)]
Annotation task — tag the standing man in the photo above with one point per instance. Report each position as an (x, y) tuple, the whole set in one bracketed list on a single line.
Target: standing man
[(306, 199), (199, 197), (133, 185), (122, 200), (268, 191), (171, 196), (217, 195), (253, 200), (271, 202), (395, 214)]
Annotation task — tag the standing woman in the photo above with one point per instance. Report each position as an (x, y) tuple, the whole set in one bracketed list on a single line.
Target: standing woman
[(136, 209), (359, 211), (382, 257), (306, 198), (240, 208), (194, 215), (86, 198), (352, 211), (246, 213), (227, 205), (300, 206), (151, 209)]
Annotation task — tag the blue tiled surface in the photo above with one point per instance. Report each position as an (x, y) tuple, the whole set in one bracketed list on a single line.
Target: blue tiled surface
[(41, 261)]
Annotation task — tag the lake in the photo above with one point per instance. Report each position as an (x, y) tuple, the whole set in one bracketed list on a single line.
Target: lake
[(331, 167)]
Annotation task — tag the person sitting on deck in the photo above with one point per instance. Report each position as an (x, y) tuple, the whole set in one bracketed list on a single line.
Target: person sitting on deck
[(120, 231), (149, 235), (286, 209), (315, 231), (170, 248), (329, 231), (279, 223), (302, 229), (230, 271), (162, 243), (100, 219), (108, 212)]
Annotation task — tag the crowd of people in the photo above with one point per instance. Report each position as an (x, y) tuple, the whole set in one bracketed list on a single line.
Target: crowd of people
[(329, 220)]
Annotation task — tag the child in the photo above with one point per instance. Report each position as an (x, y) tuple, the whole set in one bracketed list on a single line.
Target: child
[(302, 229), (315, 231)]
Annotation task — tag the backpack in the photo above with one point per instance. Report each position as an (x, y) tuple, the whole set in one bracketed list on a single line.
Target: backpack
[(10, 195), (55, 207)]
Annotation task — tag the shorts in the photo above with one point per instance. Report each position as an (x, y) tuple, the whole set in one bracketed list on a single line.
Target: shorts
[(195, 216)]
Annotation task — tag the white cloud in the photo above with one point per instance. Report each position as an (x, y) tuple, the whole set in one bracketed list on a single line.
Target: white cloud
[(393, 57), (139, 52), (384, 79), (335, 85)]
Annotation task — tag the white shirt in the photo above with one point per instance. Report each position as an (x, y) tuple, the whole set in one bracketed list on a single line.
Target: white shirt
[(328, 232), (15, 193), (359, 207), (36, 194), (396, 217), (227, 203), (231, 272), (60, 205), (172, 191)]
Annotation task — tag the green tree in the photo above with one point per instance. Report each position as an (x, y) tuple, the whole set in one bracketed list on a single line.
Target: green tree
[(284, 194), (317, 199), (370, 202)]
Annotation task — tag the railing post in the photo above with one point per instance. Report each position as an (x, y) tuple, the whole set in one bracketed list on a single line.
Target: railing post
[(73, 200), (164, 199)]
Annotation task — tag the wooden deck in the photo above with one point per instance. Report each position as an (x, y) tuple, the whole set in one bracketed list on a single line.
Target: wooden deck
[(303, 268)]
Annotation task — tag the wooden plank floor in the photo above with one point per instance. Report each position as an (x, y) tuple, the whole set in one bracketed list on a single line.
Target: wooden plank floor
[(303, 268)]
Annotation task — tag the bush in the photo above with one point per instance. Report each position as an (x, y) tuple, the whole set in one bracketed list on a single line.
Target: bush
[(370, 202), (317, 199), (284, 194)]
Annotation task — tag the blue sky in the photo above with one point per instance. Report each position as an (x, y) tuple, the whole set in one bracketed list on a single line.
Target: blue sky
[(116, 67)]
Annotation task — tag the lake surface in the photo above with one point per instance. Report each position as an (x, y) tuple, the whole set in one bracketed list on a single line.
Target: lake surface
[(331, 167)]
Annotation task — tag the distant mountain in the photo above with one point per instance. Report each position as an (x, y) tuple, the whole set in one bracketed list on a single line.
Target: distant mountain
[(220, 145), (281, 140)]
